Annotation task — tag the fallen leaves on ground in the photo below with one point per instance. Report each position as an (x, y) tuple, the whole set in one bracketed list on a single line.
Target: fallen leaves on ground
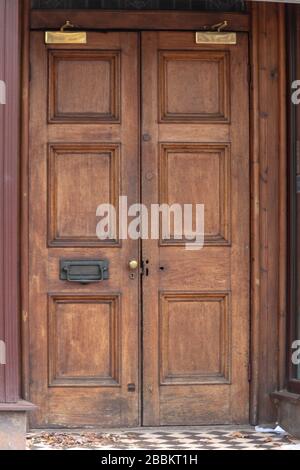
[(237, 435), (68, 440), (268, 439)]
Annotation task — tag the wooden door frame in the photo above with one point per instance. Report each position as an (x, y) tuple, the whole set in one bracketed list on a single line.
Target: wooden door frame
[(266, 25)]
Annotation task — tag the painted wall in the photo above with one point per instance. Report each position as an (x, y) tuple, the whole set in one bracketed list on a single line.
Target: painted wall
[(9, 209)]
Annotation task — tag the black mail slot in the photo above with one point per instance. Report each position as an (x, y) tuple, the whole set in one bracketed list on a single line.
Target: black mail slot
[(83, 271)]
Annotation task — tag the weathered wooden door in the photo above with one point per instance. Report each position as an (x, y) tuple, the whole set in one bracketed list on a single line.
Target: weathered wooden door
[(196, 303), (89, 345), (84, 151)]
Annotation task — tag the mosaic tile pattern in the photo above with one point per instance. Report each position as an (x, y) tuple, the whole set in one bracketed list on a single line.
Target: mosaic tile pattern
[(162, 439)]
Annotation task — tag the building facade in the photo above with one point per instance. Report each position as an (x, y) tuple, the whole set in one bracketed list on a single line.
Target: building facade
[(128, 332)]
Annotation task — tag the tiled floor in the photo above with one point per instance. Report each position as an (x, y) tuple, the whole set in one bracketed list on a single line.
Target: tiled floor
[(191, 438)]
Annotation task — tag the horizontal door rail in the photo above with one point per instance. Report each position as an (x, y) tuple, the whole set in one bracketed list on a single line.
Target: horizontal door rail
[(137, 20)]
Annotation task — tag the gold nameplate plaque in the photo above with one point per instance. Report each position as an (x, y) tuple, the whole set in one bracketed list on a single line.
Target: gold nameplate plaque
[(215, 37), (59, 37), (66, 37)]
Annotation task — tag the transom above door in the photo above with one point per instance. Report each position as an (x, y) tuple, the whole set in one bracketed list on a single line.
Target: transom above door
[(162, 338), (211, 5)]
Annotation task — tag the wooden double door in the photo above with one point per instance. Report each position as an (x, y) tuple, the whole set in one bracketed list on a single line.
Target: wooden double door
[(159, 119)]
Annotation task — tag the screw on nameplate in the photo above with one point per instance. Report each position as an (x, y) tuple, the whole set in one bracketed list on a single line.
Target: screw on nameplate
[(65, 36), (216, 35), (2, 92)]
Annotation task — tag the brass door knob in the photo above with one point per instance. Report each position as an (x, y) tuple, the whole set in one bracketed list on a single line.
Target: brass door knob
[(133, 264)]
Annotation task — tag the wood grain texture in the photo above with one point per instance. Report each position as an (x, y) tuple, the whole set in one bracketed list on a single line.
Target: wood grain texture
[(268, 202), (137, 20), (282, 170), (83, 338), (255, 218), (179, 103), (97, 72), (264, 340), (180, 184), (184, 169), (80, 178), (197, 317)]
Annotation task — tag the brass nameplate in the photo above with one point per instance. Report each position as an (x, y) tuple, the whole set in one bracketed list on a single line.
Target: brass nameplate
[(215, 37), (60, 37)]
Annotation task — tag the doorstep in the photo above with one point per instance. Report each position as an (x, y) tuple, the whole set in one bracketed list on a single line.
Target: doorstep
[(288, 405), (164, 438), (13, 424)]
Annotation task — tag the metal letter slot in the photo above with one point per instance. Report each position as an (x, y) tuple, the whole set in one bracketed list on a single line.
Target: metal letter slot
[(66, 37), (83, 271), (216, 37)]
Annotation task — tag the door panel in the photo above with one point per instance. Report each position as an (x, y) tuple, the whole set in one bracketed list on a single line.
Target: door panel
[(196, 303), (84, 151)]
